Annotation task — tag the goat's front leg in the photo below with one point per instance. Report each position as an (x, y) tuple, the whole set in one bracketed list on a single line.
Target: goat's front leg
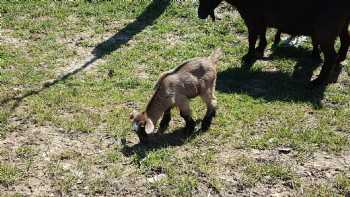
[(190, 123), (164, 123), (185, 112)]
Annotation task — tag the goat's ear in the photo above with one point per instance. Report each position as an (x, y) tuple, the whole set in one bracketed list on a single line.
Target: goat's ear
[(149, 126), (216, 55)]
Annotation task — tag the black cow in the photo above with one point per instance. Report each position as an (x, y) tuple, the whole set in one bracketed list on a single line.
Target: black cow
[(323, 20)]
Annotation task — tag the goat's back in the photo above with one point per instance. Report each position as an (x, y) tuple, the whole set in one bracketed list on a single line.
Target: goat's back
[(189, 79)]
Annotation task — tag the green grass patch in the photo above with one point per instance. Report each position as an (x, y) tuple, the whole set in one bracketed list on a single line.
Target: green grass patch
[(265, 107), (269, 173), (303, 140), (8, 174)]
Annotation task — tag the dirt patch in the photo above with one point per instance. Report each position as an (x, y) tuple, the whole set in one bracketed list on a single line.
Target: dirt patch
[(225, 9), (140, 72), (172, 39), (10, 40), (57, 158), (82, 45), (324, 166), (319, 168)]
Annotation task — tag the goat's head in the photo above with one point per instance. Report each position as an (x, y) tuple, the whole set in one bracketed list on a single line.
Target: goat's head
[(141, 124), (207, 7)]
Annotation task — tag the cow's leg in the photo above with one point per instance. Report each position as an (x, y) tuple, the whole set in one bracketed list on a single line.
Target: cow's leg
[(345, 43), (316, 53), (252, 38), (262, 43), (327, 47), (277, 38)]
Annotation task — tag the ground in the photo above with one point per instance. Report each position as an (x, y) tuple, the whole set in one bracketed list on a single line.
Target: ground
[(72, 71)]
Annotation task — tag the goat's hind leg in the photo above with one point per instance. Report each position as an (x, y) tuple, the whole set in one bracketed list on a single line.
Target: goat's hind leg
[(211, 103), (164, 123)]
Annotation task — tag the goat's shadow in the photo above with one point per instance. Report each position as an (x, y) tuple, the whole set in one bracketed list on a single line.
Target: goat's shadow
[(276, 85), (153, 11), (177, 137)]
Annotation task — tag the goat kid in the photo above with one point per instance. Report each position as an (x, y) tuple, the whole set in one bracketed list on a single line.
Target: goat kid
[(196, 77)]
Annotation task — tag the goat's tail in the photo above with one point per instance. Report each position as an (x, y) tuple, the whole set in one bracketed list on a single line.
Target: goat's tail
[(216, 55)]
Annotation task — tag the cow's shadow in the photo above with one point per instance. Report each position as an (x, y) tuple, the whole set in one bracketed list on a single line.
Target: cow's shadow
[(274, 85)]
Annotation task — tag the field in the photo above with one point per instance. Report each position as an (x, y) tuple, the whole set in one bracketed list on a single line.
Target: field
[(72, 71)]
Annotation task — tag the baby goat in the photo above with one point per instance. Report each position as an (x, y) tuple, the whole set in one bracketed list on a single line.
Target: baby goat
[(196, 77)]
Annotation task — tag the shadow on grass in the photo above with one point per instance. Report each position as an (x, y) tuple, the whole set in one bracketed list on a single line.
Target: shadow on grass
[(306, 64), (153, 11), (276, 85), (175, 138), (147, 18)]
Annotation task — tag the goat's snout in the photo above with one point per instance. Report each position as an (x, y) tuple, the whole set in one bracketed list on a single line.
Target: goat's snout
[(135, 127)]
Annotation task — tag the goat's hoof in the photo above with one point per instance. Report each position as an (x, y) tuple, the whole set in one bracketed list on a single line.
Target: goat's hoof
[(161, 130), (207, 122), (205, 127)]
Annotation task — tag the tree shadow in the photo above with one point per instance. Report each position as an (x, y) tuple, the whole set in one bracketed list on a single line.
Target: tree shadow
[(178, 137), (153, 11), (147, 18), (276, 85)]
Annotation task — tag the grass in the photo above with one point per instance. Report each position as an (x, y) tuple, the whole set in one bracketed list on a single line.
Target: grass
[(8, 174), (305, 140), (67, 131), (342, 182), (271, 173)]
